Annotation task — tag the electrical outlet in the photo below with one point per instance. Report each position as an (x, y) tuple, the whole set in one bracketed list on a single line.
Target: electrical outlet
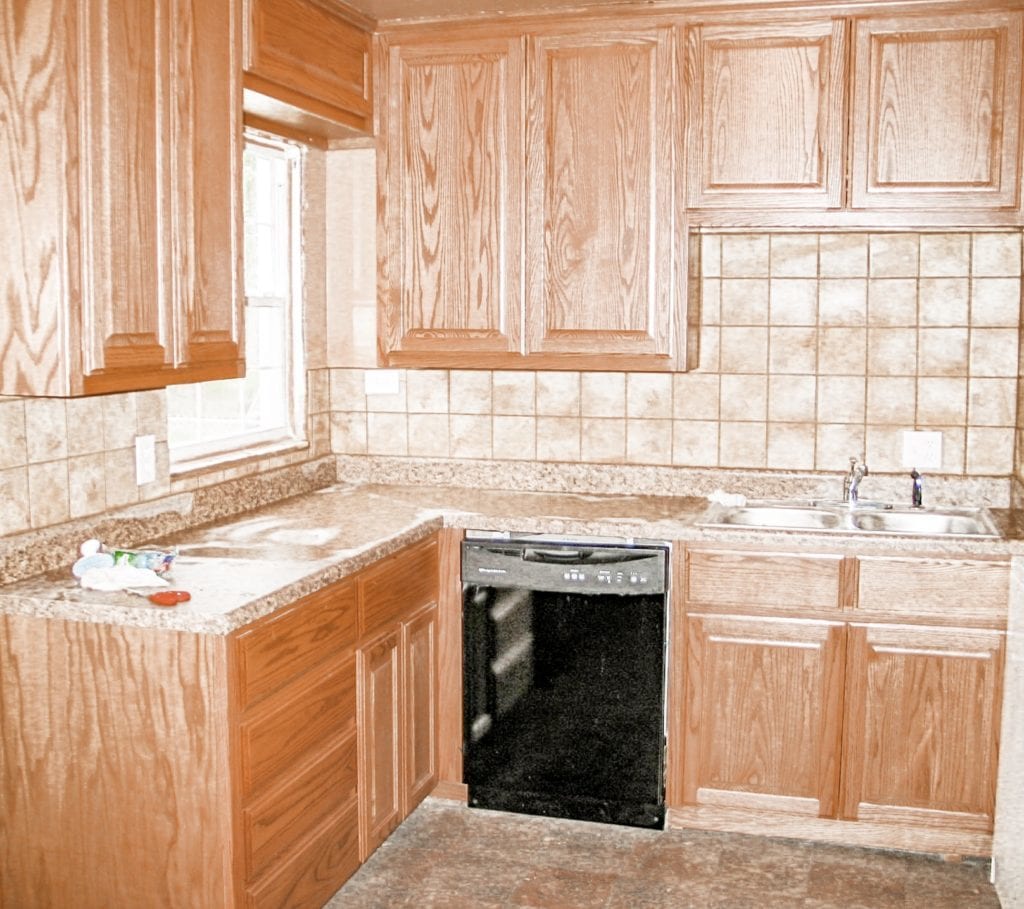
[(922, 450), (145, 460)]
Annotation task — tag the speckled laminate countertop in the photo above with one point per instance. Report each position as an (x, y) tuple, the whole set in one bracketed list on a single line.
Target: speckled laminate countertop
[(246, 567)]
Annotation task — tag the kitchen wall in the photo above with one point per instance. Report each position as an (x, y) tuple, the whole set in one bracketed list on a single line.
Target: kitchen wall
[(814, 347)]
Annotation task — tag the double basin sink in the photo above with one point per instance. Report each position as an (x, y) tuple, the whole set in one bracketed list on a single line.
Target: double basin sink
[(840, 517)]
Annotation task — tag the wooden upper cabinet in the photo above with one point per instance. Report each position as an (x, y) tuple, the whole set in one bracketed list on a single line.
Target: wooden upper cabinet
[(308, 68), (766, 116), (451, 178), (936, 103), (120, 183), (605, 263)]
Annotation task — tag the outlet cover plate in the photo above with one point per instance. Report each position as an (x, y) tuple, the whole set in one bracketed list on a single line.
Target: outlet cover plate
[(922, 450)]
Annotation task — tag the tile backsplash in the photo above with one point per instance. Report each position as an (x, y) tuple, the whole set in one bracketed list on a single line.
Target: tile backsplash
[(814, 347)]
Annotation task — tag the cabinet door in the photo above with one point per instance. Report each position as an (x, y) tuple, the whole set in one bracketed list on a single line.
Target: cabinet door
[(763, 714), (451, 209), (380, 736), (921, 740), (419, 650), (767, 115), (936, 105), (604, 245)]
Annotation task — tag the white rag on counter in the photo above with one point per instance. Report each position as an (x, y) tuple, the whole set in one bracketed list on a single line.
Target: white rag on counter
[(118, 577)]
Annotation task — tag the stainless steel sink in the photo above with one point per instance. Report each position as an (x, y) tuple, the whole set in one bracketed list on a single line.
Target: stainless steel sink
[(875, 518)]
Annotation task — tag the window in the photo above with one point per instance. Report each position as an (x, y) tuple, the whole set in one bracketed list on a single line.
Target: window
[(265, 408)]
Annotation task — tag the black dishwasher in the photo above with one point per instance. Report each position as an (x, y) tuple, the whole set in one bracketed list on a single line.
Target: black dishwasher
[(564, 676)]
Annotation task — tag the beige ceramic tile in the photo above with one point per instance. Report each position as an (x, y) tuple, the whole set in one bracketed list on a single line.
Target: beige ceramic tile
[(14, 515), (13, 447), (994, 352), (793, 350), (695, 396), (794, 255), (791, 446), (842, 351), (744, 350), (558, 439), (992, 402), (469, 391), (892, 302), (87, 492), (470, 436), (603, 440), (843, 301), (945, 255), (893, 255), (743, 445), (428, 435), (396, 402), (348, 433), (841, 399), (943, 301), (745, 255), (843, 255), (558, 394), (954, 451), (120, 419), (318, 432), (995, 302), (48, 493), (892, 400), (743, 397), (318, 391), (794, 301), (648, 441), (119, 469), (426, 390), (997, 255), (603, 394), (514, 392), (710, 349), (161, 486), (989, 451), (150, 414), (387, 434), (892, 351), (791, 399), (942, 352), (941, 402), (348, 390), (745, 301), (695, 443), (46, 428), (884, 452), (711, 301), (648, 395), (514, 438), (711, 255), (835, 444)]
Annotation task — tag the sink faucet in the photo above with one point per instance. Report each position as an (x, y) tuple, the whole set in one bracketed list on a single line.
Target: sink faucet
[(851, 482), (917, 494)]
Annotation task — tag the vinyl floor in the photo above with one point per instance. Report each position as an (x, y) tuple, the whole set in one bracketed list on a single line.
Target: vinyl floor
[(447, 855)]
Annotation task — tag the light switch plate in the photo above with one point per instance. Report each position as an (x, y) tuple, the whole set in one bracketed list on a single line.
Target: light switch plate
[(381, 381), (145, 460), (922, 450)]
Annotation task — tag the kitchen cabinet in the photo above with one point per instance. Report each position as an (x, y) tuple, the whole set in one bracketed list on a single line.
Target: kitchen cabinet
[(838, 696), (308, 70), (120, 182), (767, 114), (936, 111)]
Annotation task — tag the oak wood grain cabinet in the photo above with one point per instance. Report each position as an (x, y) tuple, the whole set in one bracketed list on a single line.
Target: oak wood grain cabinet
[(308, 71), (842, 697), (936, 111), (120, 186)]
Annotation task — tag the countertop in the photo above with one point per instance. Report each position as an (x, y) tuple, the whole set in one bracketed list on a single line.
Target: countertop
[(243, 568)]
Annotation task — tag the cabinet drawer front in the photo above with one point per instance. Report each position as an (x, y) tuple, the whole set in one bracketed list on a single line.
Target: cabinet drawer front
[(309, 877), (290, 643), (736, 579), (398, 585), (276, 740), (286, 814), (955, 588)]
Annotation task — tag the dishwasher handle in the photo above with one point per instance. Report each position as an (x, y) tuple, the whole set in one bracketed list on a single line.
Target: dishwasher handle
[(578, 556)]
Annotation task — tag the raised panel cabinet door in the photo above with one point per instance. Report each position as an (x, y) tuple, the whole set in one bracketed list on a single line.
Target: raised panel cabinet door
[(419, 647), (450, 210), (921, 740), (767, 115), (605, 259), (936, 111), (763, 721), (379, 726)]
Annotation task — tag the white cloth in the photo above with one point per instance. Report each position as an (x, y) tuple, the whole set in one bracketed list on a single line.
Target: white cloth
[(118, 577)]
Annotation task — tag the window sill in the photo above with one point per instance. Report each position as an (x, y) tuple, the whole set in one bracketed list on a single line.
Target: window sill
[(239, 458)]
